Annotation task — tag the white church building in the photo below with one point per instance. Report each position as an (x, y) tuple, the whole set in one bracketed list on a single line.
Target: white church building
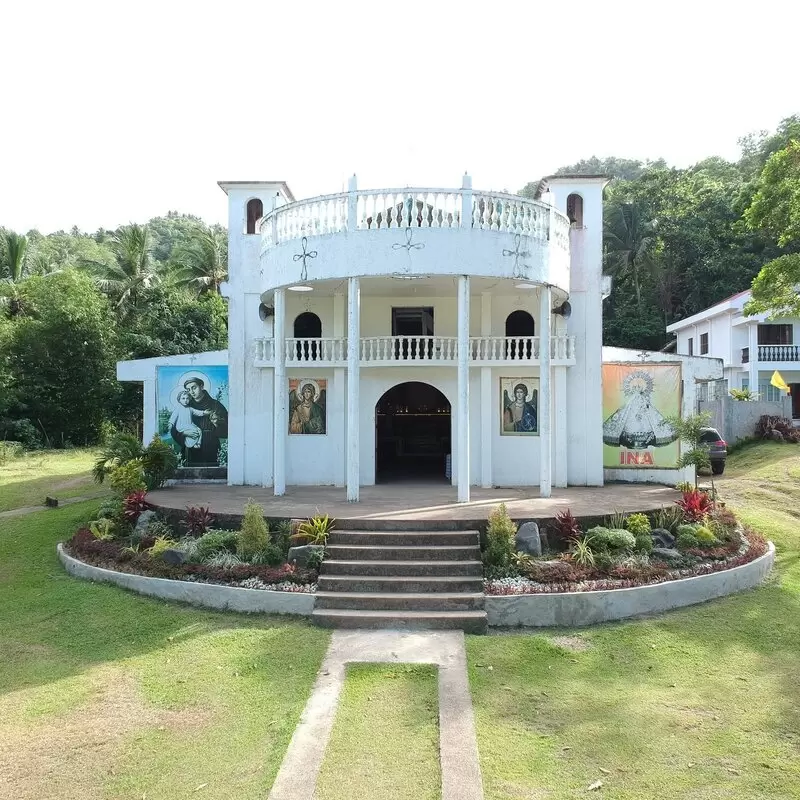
[(418, 334)]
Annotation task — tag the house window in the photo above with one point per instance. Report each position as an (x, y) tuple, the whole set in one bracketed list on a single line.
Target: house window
[(703, 343), (575, 210), (413, 322), (767, 391), (518, 324), (775, 334), (691, 346), (255, 210), (307, 326), (745, 383)]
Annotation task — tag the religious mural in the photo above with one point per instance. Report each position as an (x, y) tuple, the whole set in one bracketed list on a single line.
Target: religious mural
[(193, 414), (307, 405), (637, 398), (519, 406)]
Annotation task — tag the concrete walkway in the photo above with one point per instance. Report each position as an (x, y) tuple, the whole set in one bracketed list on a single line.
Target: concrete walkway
[(458, 748), (21, 512)]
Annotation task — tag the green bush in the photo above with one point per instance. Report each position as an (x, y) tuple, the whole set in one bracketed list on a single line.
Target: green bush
[(272, 555), (688, 529), (611, 539), (498, 557), (161, 544), (158, 529), (125, 479), (705, 537), (644, 543), (638, 524), (254, 536), (686, 541), (215, 541), (159, 463)]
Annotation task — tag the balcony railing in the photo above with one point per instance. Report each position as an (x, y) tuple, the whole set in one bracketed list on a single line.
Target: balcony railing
[(745, 355), (778, 352), (417, 351), (415, 208)]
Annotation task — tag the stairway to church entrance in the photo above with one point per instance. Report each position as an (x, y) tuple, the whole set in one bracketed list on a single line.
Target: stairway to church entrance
[(412, 434)]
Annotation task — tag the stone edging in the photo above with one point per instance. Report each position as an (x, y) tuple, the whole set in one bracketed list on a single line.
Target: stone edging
[(210, 595), (588, 608)]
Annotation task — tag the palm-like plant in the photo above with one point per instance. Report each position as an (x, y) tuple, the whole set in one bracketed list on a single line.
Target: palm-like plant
[(134, 271), (202, 263), (13, 252), (628, 239)]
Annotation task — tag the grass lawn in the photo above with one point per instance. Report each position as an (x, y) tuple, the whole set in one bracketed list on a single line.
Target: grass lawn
[(26, 481), (699, 703), (105, 694), (385, 740)]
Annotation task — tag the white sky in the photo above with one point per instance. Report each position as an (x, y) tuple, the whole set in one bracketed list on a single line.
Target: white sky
[(116, 112)]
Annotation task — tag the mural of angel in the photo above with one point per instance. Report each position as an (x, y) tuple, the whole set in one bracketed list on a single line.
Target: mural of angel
[(637, 424), (307, 406), (520, 398)]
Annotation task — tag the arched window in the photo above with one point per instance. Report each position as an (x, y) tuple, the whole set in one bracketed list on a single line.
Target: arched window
[(255, 210), (308, 326), (518, 324), (575, 210)]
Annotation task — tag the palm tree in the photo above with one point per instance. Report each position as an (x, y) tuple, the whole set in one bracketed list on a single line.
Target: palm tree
[(134, 270), (628, 239), (12, 268), (202, 263)]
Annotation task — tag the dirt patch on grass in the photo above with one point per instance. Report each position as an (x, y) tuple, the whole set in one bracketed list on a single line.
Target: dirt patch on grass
[(70, 755), (574, 644)]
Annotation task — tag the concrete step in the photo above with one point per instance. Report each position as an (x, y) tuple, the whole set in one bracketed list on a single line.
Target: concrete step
[(400, 538), (368, 552), (396, 601), (468, 621), (400, 584), (401, 568)]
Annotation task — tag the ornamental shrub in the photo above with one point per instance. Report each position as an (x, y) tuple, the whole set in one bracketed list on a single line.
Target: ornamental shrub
[(159, 463), (215, 541), (161, 544), (687, 529), (644, 543), (125, 479), (611, 539), (498, 558), (638, 524), (254, 536), (704, 536), (686, 541)]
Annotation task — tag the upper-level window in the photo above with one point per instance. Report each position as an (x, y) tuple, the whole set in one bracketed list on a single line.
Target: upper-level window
[(703, 343), (255, 210), (307, 326), (775, 334), (691, 346), (519, 323), (575, 210)]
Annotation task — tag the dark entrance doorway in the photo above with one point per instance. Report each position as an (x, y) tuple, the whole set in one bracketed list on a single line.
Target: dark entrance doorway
[(795, 390), (412, 434)]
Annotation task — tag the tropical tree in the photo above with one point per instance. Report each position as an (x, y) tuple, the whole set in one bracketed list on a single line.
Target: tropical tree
[(134, 270), (13, 255), (202, 263), (628, 238)]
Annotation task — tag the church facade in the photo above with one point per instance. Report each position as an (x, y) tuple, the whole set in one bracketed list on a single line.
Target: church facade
[(442, 335)]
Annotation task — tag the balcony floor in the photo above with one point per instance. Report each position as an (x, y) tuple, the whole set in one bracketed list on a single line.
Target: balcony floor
[(404, 503)]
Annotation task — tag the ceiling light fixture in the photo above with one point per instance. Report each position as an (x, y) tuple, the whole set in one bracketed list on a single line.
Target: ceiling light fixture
[(524, 285), (300, 288)]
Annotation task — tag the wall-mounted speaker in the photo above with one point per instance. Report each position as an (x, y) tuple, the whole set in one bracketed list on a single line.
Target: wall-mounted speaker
[(564, 310), (265, 312)]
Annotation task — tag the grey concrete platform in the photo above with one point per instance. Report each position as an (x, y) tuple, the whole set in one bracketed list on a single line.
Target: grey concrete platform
[(413, 506)]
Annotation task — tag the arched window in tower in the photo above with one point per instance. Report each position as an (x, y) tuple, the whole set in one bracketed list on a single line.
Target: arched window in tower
[(520, 327), (575, 210), (255, 210), (308, 326)]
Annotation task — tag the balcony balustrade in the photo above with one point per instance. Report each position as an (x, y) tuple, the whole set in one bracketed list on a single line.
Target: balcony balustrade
[(778, 352), (417, 351)]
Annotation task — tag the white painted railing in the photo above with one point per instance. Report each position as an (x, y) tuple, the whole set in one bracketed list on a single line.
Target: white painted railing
[(377, 209), (778, 352), (418, 350)]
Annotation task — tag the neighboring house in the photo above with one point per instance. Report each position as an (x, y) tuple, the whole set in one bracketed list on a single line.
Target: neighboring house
[(751, 348)]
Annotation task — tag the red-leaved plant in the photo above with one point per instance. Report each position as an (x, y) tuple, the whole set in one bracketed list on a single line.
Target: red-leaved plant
[(198, 520), (567, 526), (696, 505), (133, 505)]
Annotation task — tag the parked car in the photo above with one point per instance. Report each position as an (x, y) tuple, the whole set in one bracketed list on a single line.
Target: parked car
[(717, 449)]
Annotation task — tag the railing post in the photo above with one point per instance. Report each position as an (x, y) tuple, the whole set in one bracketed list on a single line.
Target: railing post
[(352, 204), (466, 201), (755, 356)]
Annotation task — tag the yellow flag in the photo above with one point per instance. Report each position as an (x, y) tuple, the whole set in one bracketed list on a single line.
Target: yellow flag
[(778, 382)]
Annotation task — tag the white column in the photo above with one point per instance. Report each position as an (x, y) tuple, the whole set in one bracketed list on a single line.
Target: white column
[(337, 404), (281, 394), (752, 331), (353, 384), (463, 389), (488, 429), (149, 410), (545, 440), (560, 427)]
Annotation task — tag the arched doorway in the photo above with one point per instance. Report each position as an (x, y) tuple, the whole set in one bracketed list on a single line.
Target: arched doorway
[(307, 326), (519, 323), (412, 434)]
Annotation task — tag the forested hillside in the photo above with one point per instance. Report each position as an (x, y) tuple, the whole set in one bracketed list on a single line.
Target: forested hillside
[(73, 303)]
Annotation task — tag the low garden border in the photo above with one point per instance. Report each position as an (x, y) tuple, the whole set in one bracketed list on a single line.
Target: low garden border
[(209, 595), (575, 609)]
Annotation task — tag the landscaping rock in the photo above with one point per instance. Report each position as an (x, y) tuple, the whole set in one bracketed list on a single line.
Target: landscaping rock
[(174, 557), (528, 540), (51, 502), (662, 538), (665, 552), (299, 555), (141, 524)]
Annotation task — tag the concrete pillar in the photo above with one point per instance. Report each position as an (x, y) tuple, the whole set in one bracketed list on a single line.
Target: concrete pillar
[(149, 410), (463, 389), (545, 393), (281, 395), (488, 423), (353, 385), (752, 333), (336, 402), (560, 426)]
